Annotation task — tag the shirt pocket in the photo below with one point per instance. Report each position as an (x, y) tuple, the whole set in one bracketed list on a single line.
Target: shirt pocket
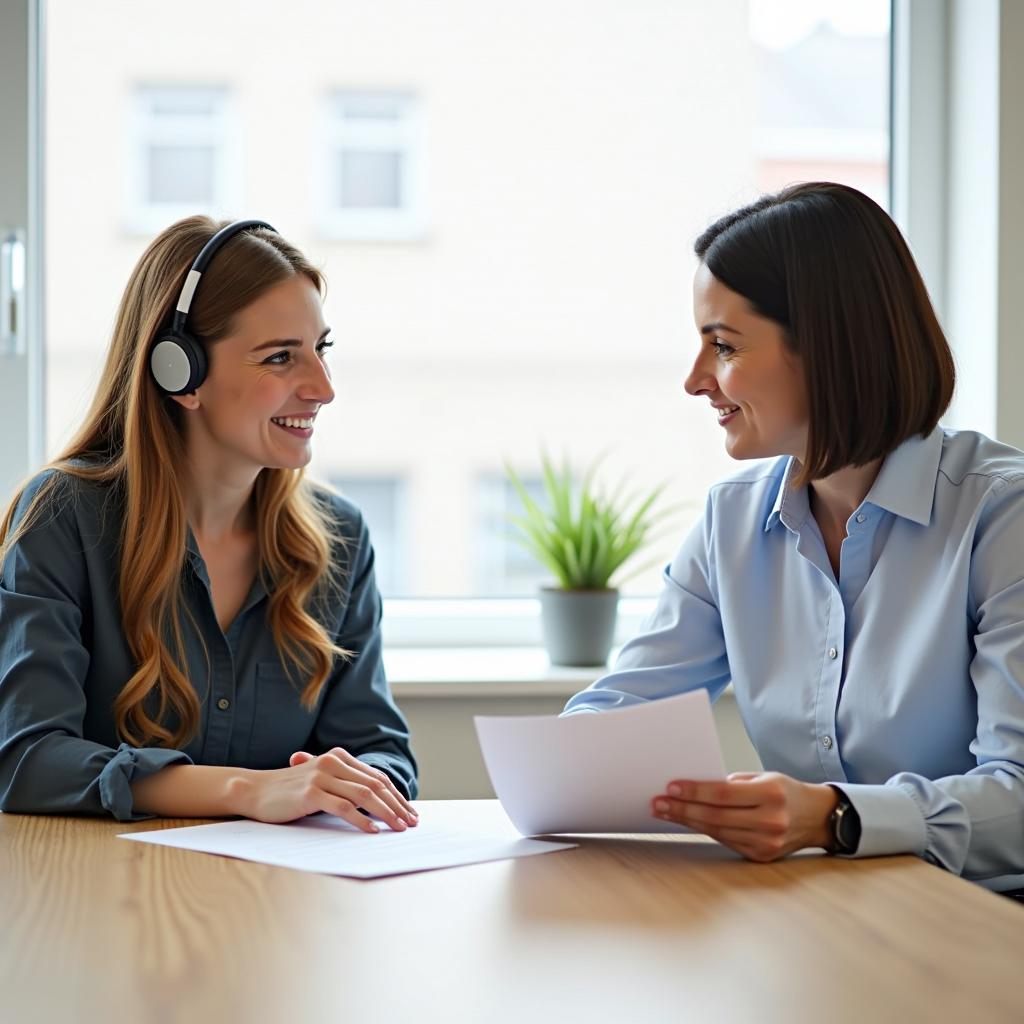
[(280, 724)]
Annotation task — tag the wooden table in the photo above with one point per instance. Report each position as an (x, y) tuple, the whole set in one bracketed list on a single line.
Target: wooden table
[(93, 928)]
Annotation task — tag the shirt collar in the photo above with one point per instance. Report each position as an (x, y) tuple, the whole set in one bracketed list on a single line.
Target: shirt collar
[(791, 505), (195, 558), (905, 485)]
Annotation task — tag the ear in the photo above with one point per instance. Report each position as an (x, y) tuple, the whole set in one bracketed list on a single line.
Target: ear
[(188, 401)]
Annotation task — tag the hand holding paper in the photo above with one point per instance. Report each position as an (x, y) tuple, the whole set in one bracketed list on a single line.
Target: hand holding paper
[(598, 772)]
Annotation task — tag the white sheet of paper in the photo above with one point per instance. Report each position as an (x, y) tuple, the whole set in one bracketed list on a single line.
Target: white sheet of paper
[(598, 772), (450, 832)]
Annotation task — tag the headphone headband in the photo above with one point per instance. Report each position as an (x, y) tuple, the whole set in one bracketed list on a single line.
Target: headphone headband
[(202, 261), (178, 360)]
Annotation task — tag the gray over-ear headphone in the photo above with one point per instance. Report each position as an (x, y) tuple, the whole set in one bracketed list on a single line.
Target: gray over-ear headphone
[(178, 359)]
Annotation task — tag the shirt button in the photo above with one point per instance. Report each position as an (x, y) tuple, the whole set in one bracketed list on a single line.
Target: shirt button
[(223, 703), (861, 518), (826, 742), (833, 653)]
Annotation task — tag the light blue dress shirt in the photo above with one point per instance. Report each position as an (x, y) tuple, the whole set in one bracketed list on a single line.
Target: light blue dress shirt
[(902, 681)]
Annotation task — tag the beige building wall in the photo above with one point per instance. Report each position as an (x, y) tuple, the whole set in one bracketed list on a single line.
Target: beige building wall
[(571, 152)]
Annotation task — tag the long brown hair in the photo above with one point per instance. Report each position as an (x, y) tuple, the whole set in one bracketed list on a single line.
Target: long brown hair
[(828, 264), (132, 440)]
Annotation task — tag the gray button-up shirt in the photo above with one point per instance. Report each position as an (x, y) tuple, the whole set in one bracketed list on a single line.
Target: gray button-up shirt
[(64, 658)]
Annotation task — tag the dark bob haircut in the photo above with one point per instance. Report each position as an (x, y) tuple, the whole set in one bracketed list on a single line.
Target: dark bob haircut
[(829, 266)]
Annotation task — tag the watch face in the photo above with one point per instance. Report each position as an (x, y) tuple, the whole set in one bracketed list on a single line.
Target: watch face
[(847, 827), (843, 828)]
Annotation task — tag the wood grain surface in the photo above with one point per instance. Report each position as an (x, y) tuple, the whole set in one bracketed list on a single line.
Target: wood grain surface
[(659, 928)]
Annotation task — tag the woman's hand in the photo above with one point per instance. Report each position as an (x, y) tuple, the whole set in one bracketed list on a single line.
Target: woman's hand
[(761, 815), (335, 782)]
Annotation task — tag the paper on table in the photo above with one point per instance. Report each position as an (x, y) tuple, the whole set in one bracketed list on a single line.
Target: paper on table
[(598, 772), (450, 832)]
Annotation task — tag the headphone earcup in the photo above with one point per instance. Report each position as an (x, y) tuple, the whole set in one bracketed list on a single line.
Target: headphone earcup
[(177, 362)]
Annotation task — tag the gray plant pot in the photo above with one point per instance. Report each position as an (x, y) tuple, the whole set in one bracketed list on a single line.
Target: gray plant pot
[(578, 625)]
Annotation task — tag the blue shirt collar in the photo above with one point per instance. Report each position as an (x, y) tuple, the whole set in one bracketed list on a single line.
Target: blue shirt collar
[(194, 556), (905, 485), (791, 505)]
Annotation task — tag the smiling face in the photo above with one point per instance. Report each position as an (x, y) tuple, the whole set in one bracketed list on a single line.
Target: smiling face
[(753, 381), (267, 380)]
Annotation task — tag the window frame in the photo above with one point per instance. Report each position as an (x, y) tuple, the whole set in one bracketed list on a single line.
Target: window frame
[(22, 60), (143, 216), (923, 134), (404, 223)]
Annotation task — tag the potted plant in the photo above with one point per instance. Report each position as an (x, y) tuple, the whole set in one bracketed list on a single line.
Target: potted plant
[(584, 536)]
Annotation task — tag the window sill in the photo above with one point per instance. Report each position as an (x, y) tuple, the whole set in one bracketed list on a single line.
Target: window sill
[(415, 672)]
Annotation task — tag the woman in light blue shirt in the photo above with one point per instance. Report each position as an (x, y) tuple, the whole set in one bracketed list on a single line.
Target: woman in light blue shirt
[(863, 590)]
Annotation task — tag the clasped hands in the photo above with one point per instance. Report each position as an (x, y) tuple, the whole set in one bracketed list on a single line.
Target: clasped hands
[(761, 815)]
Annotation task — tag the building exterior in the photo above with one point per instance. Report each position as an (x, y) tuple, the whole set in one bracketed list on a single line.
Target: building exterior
[(503, 199)]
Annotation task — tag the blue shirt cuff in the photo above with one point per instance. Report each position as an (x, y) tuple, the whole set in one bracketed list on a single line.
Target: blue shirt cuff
[(890, 820), (129, 765)]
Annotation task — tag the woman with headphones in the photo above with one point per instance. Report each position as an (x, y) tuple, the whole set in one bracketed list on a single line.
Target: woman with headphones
[(862, 589), (188, 626)]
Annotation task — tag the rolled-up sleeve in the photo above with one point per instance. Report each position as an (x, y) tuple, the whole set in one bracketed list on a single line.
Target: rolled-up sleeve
[(46, 765), (358, 712)]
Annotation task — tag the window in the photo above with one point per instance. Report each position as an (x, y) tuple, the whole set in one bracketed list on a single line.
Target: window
[(823, 104), (547, 306), (503, 567), (180, 154), (380, 499), (371, 174)]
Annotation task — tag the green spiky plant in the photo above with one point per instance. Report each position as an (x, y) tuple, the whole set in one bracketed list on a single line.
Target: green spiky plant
[(585, 536)]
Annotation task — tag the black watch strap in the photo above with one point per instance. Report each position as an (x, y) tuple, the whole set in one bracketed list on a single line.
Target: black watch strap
[(844, 824)]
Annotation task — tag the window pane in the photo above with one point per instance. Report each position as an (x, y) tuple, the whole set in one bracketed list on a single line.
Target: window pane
[(371, 108), (381, 502), (547, 306), (181, 174), (174, 102), (369, 179), (503, 566), (823, 102)]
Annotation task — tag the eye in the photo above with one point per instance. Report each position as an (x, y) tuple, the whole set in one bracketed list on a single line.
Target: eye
[(722, 349), (282, 358), (324, 346)]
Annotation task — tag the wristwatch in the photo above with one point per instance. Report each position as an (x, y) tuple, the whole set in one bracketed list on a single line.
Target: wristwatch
[(844, 825)]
